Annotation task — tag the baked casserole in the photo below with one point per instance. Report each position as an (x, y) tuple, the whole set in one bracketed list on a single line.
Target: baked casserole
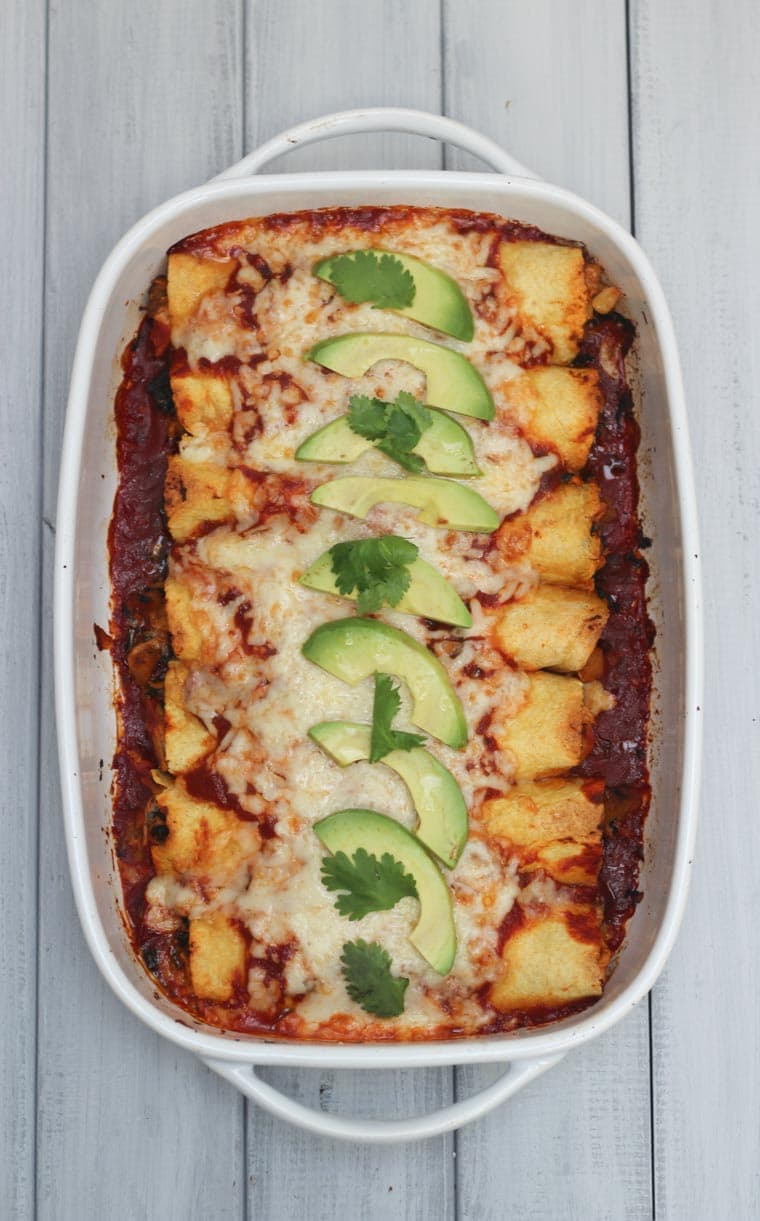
[(380, 622)]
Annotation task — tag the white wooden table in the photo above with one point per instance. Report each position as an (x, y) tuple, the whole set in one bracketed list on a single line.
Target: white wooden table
[(649, 109)]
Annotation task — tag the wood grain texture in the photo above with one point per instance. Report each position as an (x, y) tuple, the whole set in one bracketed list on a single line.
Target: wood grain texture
[(547, 81), (292, 1174), (22, 138), (143, 101), (697, 179), (574, 1145), (577, 1142), (394, 59), (141, 104), (376, 53)]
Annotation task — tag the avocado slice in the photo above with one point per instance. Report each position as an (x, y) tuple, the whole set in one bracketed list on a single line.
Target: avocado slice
[(438, 300), (429, 594), (445, 446), (352, 649), (436, 795), (434, 935), (441, 502), (452, 382)]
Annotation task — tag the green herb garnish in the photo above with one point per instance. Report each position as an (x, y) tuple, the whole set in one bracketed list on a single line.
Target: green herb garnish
[(377, 568), (371, 884), (368, 275), (384, 708), (394, 428), (367, 972)]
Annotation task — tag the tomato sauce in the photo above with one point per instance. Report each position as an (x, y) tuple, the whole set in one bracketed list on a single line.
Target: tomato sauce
[(146, 433), (619, 751)]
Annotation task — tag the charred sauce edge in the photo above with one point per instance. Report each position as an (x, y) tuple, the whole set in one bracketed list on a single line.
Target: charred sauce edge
[(148, 432)]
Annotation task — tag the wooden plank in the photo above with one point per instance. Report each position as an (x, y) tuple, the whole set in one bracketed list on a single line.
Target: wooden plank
[(573, 1145), (22, 130), (697, 198), (384, 52), (548, 82), (293, 1174), (141, 105), (378, 53)]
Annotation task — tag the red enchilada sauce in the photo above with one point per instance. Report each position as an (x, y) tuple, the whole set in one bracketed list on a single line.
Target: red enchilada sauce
[(619, 751), (147, 433)]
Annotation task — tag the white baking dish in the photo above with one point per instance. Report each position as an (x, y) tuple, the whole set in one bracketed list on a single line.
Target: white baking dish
[(84, 681)]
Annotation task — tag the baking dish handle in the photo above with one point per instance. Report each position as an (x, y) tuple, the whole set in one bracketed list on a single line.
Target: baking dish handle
[(380, 118), (382, 1131)]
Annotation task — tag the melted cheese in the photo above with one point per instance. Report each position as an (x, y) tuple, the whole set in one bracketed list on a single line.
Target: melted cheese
[(239, 605)]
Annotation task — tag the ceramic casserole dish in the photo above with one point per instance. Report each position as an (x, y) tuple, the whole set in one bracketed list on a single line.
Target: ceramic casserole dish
[(85, 681)]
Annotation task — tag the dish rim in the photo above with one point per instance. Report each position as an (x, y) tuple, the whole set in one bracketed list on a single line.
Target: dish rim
[(512, 1046)]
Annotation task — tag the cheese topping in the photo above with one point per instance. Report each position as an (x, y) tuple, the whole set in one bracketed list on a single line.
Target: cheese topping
[(240, 617)]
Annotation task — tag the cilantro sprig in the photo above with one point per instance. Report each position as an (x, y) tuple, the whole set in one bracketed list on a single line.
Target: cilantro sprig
[(377, 568), (385, 706), (369, 275), (367, 972), (370, 884), (393, 427)]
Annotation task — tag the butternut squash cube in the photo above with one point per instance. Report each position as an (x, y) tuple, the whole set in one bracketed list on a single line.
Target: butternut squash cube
[(553, 628), (189, 278), (206, 843), (552, 960), (570, 863), (556, 409), (555, 536), (539, 811), (546, 735), (195, 493), (187, 739), (203, 401), (191, 627), (548, 285), (217, 957), (551, 825)]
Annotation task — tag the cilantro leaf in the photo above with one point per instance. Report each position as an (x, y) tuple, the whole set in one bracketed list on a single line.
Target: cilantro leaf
[(410, 462), (367, 972), (368, 275), (366, 416), (371, 885), (414, 411), (384, 708), (394, 427), (377, 568)]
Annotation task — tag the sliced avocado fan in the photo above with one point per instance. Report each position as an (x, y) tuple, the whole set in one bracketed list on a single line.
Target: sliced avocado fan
[(429, 595), (453, 383), (442, 502), (437, 300), (353, 649), (436, 795), (434, 935), (446, 447)]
